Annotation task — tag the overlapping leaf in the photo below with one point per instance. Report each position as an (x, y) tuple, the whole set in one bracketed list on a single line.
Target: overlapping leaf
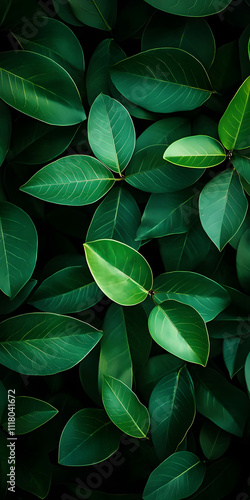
[(99, 14), (197, 151), (189, 8)]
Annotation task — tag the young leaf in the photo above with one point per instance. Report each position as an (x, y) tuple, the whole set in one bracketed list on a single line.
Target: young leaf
[(111, 132), (180, 329), (213, 440), (165, 78), (124, 408), (172, 411), (117, 217), (120, 272), (67, 291), (101, 14), (45, 343), (18, 248), (5, 131), (220, 401), (88, 437), (203, 294), (243, 261), (43, 89), (189, 8), (233, 126), (177, 477), (31, 413), (222, 207), (197, 151), (72, 180)]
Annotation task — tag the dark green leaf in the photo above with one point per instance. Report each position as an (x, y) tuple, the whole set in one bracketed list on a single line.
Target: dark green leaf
[(3, 399), (99, 14), (8, 305), (213, 440), (64, 11), (34, 476), (30, 414), (189, 8), (139, 337), (164, 132), (220, 479), (5, 131), (243, 261)]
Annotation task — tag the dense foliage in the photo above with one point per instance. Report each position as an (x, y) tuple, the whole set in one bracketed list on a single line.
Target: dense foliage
[(125, 249)]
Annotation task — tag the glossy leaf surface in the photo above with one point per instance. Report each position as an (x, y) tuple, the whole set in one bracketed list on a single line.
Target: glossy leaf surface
[(197, 151)]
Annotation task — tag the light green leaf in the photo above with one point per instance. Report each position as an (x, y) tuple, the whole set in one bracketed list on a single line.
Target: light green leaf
[(169, 214), (117, 217), (115, 358), (172, 411), (120, 272), (30, 413), (205, 295), (5, 131), (124, 408), (165, 79), (111, 132), (180, 329), (72, 180), (67, 291), (243, 261), (196, 151), (39, 87), (18, 248), (234, 124), (222, 207), (220, 401), (45, 343), (88, 437), (99, 14), (176, 478), (192, 35), (213, 440), (149, 172)]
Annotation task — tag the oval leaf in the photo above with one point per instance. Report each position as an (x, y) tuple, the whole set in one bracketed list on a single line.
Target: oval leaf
[(43, 89), (162, 80), (120, 272), (213, 440), (180, 329), (18, 248), (31, 413), (111, 132), (45, 343), (73, 180), (88, 437), (205, 295), (99, 14), (172, 411), (197, 151), (124, 408), (177, 477), (189, 8), (222, 207)]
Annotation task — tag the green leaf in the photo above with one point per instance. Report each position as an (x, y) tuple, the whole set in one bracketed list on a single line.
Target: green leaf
[(149, 172), (88, 373), (34, 142), (220, 401), (105, 55), (172, 411), (164, 132), (34, 476), (162, 80), (115, 358), (18, 248), (247, 371), (124, 408), (243, 261), (197, 151), (5, 131), (57, 42), (222, 207), (65, 13), (205, 295), (234, 124), (117, 217), (88, 437), (192, 35), (43, 89), (8, 305), (31, 413), (120, 272), (242, 164), (169, 214), (213, 440), (189, 8), (99, 14), (235, 351), (176, 478), (220, 479), (180, 329), (72, 180), (67, 291), (111, 132), (45, 343)]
